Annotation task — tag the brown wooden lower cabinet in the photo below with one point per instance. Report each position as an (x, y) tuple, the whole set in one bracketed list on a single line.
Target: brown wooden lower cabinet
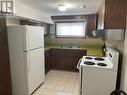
[(63, 59), (47, 61)]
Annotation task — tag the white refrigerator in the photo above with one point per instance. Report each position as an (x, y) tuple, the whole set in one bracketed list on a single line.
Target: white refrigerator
[(26, 51)]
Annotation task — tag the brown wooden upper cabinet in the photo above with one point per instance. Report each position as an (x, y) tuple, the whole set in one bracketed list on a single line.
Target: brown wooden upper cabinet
[(46, 29), (111, 14)]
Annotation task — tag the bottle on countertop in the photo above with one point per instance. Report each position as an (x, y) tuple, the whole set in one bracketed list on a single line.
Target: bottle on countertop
[(104, 50)]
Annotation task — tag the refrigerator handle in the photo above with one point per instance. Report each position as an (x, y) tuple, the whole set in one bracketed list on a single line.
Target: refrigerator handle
[(27, 40), (29, 63)]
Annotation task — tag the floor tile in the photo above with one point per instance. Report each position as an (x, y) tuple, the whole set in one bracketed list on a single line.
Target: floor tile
[(60, 83)]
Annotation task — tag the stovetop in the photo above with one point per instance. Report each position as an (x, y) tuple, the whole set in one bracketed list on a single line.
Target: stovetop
[(101, 62)]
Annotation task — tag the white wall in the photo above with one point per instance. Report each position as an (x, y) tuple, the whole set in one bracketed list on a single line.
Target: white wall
[(25, 11)]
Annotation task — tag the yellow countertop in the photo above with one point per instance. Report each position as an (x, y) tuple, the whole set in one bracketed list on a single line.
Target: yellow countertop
[(91, 50)]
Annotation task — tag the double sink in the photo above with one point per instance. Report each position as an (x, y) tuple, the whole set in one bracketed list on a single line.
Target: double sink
[(70, 46)]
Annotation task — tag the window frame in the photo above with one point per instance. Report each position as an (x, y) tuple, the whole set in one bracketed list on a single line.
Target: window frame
[(78, 37)]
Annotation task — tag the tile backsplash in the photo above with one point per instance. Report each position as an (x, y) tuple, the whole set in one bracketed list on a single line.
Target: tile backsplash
[(74, 41)]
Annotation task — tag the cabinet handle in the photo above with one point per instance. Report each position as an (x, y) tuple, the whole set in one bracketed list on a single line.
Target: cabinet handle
[(79, 63)]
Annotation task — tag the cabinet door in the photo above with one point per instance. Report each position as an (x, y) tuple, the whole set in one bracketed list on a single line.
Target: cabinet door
[(65, 59), (112, 14), (115, 14), (56, 59), (76, 57), (46, 28), (91, 25), (47, 61)]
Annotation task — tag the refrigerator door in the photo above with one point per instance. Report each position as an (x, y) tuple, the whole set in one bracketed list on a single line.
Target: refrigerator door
[(35, 68), (33, 37)]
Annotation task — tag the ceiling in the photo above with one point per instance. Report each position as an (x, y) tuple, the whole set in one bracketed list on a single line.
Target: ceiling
[(73, 6)]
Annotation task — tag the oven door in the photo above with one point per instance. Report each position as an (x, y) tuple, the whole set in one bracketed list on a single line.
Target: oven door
[(97, 81)]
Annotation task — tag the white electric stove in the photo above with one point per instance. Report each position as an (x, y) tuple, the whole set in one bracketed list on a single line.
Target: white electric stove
[(100, 62), (98, 75)]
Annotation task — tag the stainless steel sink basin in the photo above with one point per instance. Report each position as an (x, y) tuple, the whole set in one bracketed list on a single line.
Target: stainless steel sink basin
[(69, 46)]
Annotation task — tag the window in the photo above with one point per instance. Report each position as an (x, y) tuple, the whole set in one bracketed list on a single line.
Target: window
[(74, 29)]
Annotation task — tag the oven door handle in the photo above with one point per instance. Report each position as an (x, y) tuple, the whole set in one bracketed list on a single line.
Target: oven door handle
[(78, 65)]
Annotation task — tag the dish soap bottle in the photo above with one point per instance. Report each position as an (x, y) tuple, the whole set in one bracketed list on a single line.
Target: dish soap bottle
[(104, 50)]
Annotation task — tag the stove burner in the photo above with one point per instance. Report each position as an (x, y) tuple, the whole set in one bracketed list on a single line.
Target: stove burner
[(89, 63), (88, 57), (102, 64), (99, 59)]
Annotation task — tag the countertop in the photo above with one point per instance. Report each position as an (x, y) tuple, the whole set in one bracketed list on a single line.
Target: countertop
[(91, 50)]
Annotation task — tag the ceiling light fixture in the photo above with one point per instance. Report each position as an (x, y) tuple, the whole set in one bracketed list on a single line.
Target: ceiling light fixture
[(82, 6), (62, 8)]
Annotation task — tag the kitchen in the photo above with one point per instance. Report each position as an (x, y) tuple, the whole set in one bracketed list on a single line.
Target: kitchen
[(97, 23)]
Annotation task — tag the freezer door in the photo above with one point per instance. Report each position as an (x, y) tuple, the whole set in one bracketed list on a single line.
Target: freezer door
[(35, 68), (33, 37)]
